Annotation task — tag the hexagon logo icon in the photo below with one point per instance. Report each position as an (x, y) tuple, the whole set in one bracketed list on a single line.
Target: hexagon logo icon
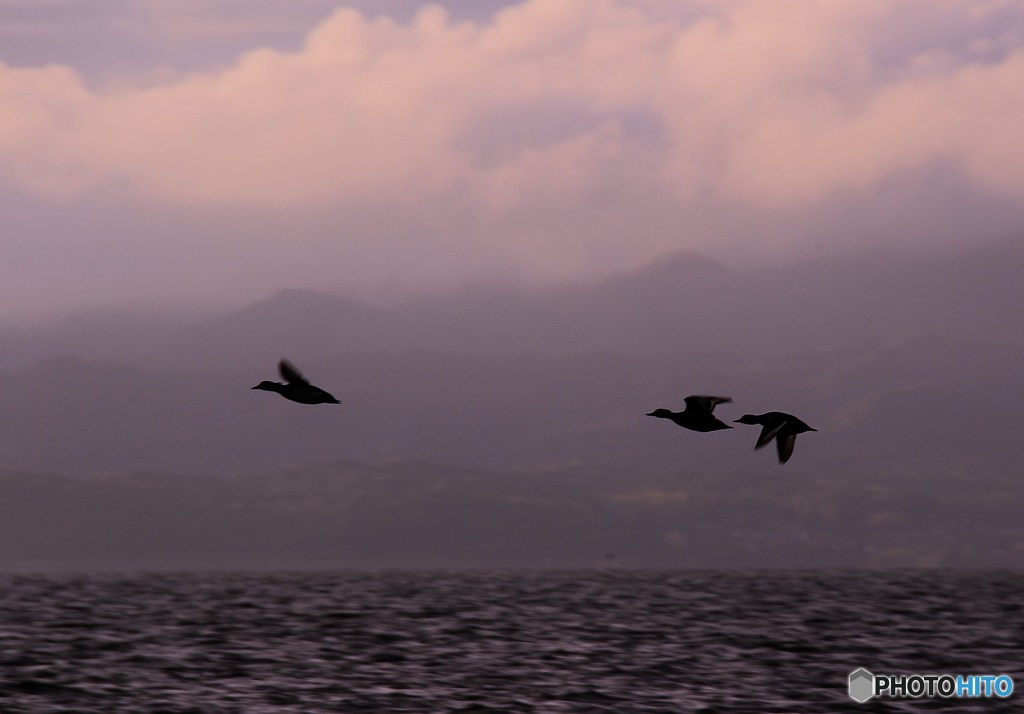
[(862, 685)]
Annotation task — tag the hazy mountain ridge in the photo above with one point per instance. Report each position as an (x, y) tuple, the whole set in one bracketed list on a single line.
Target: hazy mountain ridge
[(519, 417), (682, 302), (552, 376)]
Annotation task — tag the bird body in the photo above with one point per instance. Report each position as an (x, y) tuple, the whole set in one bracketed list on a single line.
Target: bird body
[(697, 416), (779, 426), (296, 387)]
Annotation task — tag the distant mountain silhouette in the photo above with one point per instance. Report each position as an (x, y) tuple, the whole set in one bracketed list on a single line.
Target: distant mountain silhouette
[(518, 416), (296, 321), (930, 361), (682, 303), (882, 354)]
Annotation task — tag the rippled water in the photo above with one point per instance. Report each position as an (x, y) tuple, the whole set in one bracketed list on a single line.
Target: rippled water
[(565, 641)]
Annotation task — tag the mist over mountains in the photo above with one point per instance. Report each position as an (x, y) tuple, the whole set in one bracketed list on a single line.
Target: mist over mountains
[(910, 366)]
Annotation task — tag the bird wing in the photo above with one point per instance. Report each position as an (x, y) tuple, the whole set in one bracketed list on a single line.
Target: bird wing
[(785, 444), (290, 373), (768, 432), (703, 403)]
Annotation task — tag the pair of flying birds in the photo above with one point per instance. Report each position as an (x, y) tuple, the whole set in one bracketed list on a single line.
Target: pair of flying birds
[(698, 414)]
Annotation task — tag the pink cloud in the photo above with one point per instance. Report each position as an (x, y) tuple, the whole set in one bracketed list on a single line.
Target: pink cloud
[(767, 103), (557, 137)]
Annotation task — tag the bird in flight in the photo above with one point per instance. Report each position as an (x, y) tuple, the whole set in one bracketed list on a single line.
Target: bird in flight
[(296, 387), (697, 415), (779, 426)]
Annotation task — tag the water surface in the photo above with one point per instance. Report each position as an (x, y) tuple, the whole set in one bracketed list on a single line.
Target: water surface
[(535, 641)]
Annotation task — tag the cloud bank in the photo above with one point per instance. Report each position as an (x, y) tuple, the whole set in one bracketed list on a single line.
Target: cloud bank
[(558, 134)]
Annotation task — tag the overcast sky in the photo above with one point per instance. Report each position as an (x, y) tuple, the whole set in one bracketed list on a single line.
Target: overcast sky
[(192, 151)]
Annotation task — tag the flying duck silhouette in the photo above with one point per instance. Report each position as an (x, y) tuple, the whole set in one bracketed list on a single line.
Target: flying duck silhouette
[(296, 387), (779, 426), (697, 414)]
